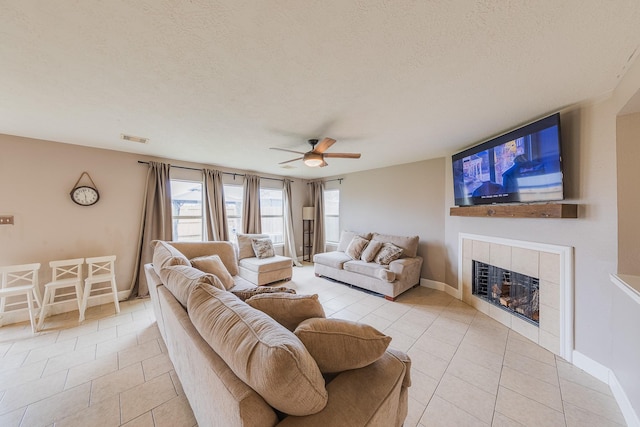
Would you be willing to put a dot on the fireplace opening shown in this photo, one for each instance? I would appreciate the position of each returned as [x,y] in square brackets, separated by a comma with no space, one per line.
[515,292]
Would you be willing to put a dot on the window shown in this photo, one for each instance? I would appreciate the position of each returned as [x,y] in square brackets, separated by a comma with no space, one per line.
[186,211]
[272,214]
[233,204]
[332,215]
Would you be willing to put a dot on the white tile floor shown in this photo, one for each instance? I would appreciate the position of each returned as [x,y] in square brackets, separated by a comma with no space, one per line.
[468,370]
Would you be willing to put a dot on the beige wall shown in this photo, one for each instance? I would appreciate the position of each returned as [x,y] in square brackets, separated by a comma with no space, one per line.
[628,154]
[35,180]
[403,200]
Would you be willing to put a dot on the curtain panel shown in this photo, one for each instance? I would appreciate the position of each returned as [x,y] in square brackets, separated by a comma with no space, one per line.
[251,221]
[156,222]
[317,195]
[214,207]
[289,239]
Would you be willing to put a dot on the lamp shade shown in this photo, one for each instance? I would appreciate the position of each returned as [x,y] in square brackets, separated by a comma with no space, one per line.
[308,212]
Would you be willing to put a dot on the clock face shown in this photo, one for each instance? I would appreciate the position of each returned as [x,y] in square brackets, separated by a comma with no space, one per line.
[85,196]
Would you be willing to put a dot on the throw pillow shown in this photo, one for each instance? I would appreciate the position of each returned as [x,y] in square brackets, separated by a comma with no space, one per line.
[214,265]
[263,354]
[245,246]
[355,248]
[339,345]
[388,253]
[180,280]
[287,309]
[347,236]
[263,248]
[370,252]
[245,294]
[165,255]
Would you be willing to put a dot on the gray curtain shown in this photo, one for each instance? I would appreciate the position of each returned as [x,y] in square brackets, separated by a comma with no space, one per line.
[317,196]
[214,208]
[155,222]
[289,240]
[251,223]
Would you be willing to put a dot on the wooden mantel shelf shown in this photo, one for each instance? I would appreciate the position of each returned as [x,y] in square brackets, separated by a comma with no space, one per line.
[547,210]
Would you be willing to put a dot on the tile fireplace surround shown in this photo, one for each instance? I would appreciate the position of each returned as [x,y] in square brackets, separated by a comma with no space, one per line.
[551,264]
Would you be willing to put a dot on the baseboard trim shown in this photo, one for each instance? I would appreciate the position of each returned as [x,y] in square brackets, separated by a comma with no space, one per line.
[606,375]
[440,286]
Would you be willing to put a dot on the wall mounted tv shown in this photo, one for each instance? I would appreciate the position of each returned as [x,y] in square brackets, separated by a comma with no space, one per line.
[521,166]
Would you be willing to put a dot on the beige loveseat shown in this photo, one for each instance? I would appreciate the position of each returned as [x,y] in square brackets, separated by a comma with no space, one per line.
[260,373]
[359,266]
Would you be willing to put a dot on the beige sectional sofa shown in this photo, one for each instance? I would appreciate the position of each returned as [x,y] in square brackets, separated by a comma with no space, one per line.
[240,367]
[354,268]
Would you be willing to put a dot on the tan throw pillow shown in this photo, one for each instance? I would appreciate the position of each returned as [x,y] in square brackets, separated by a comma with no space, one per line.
[287,309]
[369,253]
[214,265]
[339,345]
[245,246]
[245,294]
[165,255]
[181,279]
[355,248]
[388,253]
[263,354]
[263,248]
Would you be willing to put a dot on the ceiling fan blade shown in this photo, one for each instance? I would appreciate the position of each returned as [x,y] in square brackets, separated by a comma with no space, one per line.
[324,145]
[289,161]
[343,155]
[284,149]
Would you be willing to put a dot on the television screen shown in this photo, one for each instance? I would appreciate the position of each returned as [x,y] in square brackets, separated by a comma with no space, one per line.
[524,165]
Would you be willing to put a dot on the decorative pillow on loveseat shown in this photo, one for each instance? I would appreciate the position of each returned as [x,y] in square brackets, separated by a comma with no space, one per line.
[347,236]
[339,345]
[355,248]
[388,253]
[370,252]
[263,354]
[213,264]
[288,309]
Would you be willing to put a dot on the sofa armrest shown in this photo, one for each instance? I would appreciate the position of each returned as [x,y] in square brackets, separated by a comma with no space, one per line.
[373,396]
[407,268]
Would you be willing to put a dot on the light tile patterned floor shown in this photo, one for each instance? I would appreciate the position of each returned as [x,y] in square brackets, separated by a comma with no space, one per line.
[468,370]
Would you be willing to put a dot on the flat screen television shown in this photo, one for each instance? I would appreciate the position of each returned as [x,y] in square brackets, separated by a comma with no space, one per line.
[521,166]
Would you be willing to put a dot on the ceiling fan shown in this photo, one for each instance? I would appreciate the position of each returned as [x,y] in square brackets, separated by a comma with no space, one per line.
[315,157]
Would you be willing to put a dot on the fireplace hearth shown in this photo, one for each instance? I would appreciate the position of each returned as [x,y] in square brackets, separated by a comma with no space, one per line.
[517,293]
[526,286]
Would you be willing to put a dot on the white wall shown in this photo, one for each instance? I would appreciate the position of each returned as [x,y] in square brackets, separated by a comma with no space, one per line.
[403,200]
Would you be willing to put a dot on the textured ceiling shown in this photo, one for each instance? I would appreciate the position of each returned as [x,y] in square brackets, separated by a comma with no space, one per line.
[219,82]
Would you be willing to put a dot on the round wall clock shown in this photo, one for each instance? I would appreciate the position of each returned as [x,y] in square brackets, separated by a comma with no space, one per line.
[85,195]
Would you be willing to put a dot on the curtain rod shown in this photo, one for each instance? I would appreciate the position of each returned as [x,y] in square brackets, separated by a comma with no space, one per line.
[225,173]
[329,180]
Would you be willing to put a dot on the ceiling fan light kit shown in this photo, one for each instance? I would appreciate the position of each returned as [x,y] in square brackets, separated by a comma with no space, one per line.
[312,159]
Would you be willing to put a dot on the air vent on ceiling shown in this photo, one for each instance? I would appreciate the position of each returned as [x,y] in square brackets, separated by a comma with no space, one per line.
[134,138]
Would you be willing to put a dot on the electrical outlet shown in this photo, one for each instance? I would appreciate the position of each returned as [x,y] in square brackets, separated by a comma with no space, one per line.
[6,220]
